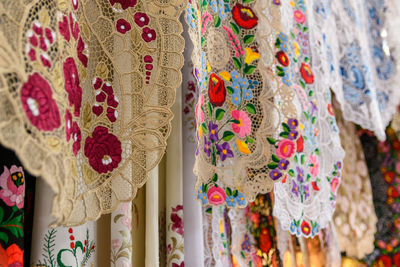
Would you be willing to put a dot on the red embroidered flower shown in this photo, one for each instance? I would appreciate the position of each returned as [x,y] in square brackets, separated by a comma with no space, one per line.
[112,101]
[216,90]
[148,34]
[15,256]
[68,124]
[97,109]
[123,26]
[38,103]
[396,144]
[389,177]
[177,225]
[306,73]
[265,240]
[283,59]
[330,110]
[103,150]
[384,261]
[80,47]
[72,85]
[141,19]
[305,228]
[315,186]
[76,136]
[178,265]
[244,16]
[63,28]
[75,4]
[124,3]
[392,192]
[112,114]
[396,259]
[300,144]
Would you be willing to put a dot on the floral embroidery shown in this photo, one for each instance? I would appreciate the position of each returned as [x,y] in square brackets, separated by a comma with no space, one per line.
[40,39]
[72,85]
[13,186]
[81,251]
[124,3]
[244,16]
[123,26]
[175,248]
[38,103]
[103,150]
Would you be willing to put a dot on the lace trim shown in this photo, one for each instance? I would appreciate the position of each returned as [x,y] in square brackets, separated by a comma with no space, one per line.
[241,102]
[355,219]
[86,89]
[305,199]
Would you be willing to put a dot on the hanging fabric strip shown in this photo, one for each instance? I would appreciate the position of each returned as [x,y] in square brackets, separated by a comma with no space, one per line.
[121,235]
[221,237]
[354,219]
[384,169]
[194,248]
[208,237]
[60,246]
[86,89]
[305,199]
[362,55]
[242,103]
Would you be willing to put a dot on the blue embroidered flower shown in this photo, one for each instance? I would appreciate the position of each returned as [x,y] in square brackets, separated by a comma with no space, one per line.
[253,84]
[190,17]
[284,47]
[236,98]
[223,9]
[247,94]
[235,76]
[231,201]
[286,80]
[352,95]
[383,99]
[384,65]
[202,196]
[214,6]
[315,230]
[240,199]
[283,37]
[293,228]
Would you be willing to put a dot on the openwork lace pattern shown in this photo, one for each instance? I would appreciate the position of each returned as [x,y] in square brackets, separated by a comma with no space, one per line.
[363,58]
[354,218]
[86,89]
[305,198]
[242,102]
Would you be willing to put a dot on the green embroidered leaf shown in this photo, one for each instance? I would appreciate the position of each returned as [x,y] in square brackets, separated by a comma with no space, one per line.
[313,120]
[226,1]
[203,41]
[251,108]
[237,63]
[275,158]
[311,93]
[209,210]
[247,1]
[306,59]
[217,21]
[284,134]
[280,73]
[279,68]
[296,159]
[242,254]
[59,261]
[214,178]
[286,127]
[116,218]
[235,121]
[295,59]
[234,28]
[293,36]
[235,193]
[248,39]
[204,127]
[278,43]
[270,140]
[249,69]
[305,29]
[291,172]
[210,109]
[306,115]
[302,84]
[230,90]
[1,214]
[4,237]
[249,140]
[228,135]
[317,151]
[308,177]
[272,165]
[219,114]
[302,159]
[228,191]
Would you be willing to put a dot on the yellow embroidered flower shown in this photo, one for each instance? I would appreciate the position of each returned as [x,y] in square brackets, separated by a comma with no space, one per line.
[301,126]
[208,66]
[225,75]
[296,49]
[200,132]
[250,55]
[243,147]
[292,3]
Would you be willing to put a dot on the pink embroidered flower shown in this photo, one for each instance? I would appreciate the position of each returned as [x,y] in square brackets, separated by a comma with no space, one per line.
[115,244]
[216,195]
[123,26]
[124,3]
[383,147]
[299,16]
[242,128]
[38,103]
[177,223]
[103,150]
[334,184]
[199,111]
[76,137]
[72,85]
[141,19]
[127,221]
[314,165]
[148,34]
[13,186]
[285,149]
[68,124]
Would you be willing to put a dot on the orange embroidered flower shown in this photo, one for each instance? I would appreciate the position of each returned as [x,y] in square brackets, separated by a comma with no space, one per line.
[15,255]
